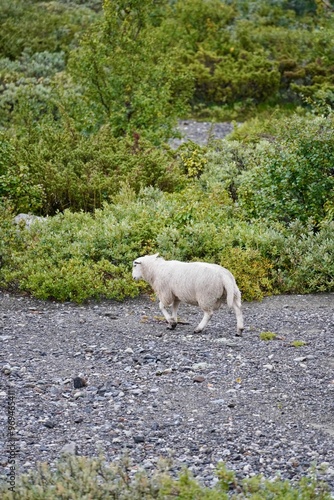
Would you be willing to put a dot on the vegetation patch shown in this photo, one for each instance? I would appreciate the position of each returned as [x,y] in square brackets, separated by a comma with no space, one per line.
[298,343]
[267,336]
[86,114]
[79,477]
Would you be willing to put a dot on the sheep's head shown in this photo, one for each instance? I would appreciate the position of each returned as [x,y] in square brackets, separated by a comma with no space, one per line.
[137,265]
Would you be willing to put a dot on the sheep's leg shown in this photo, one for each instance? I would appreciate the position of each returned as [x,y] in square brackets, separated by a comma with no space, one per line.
[175,306]
[204,322]
[240,319]
[170,320]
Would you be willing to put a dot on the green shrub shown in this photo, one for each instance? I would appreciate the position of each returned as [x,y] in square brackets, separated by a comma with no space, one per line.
[128,78]
[304,264]
[66,169]
[17,186]
[28,86]
[240,75]
[74,256]
[39,26]
[251,270]
[293,179]
[80,477]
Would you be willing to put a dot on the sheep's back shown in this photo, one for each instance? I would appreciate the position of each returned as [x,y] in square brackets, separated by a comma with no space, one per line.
[193,282]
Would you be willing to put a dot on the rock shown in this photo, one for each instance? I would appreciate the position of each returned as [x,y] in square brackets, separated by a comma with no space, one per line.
[50,424]
[69,449]
[27,219]
[6,369]
[139,439]
[201,366]
[79,382]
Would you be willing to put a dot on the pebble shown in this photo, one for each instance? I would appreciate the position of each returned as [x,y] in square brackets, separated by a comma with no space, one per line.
[69,449]
[6,369]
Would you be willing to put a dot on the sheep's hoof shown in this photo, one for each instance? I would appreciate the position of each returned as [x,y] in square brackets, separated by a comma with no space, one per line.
[198,330]
[172,326]
[239,332]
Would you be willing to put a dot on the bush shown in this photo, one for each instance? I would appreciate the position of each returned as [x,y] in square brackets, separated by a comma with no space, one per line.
[224,79]
[38,26]
[294,178]
[75,256]
[28,86]
[80,477]
[66,169]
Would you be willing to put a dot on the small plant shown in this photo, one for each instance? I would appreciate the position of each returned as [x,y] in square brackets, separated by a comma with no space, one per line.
[266,336]
[193,159]
[298,343]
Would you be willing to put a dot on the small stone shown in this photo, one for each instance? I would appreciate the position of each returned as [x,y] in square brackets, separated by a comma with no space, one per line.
[78,395]
[79,382]
[201,366]
[69,449]
[198,379]
[139,438]
[50,424]
[163,372]
[110,315]
[6,369]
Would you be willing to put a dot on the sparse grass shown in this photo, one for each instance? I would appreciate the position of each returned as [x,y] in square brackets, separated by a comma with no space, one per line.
[266,336]
[298,343]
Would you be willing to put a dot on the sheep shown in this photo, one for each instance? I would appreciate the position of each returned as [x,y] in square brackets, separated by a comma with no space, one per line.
[196,283]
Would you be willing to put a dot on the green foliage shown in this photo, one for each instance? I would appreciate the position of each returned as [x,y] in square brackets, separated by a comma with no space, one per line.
[298,343]
[74,256]
[193,159]
[131,83]
[17,185]
[66,258]
[267,336]
[27,86]
[294,178]
[86,100]
[237,76]
[304,264]
[39,26]
[80,477]
[251,270]
[65,169]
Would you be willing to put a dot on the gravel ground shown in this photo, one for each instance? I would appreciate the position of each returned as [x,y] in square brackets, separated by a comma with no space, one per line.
[201,132]
[261,407]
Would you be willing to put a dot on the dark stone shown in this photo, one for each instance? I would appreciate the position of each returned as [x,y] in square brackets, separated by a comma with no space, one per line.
[139,439]
[50,424]
[79,382]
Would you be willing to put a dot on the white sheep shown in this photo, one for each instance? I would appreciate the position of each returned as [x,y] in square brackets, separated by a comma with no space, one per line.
[195,283]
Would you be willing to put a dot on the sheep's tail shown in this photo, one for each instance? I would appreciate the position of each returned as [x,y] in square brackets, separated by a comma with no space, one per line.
[233,294]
